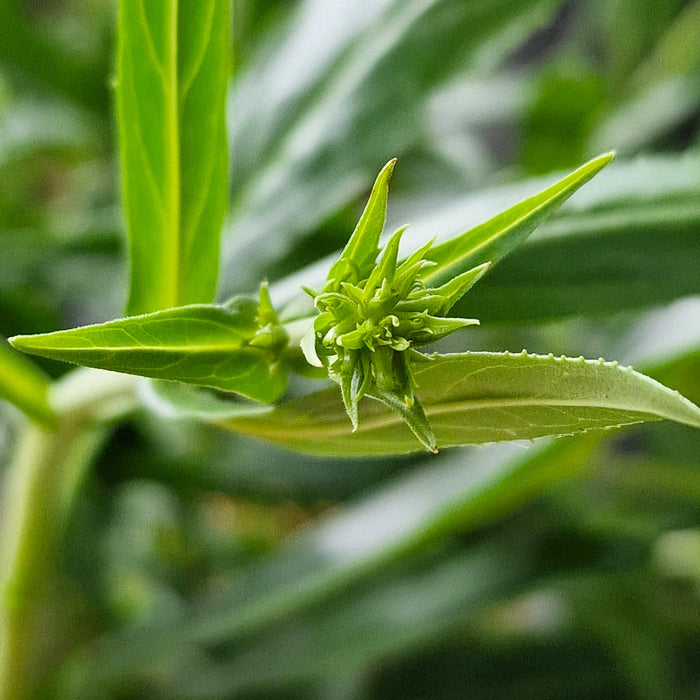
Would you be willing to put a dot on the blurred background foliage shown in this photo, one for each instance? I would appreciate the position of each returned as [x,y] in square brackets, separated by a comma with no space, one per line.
[199,564]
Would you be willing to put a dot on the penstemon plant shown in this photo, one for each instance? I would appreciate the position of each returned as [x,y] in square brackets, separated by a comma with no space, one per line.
[356,340]
[371,315]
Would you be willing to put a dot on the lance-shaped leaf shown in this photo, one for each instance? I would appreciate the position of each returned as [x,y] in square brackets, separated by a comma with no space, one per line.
[357,259]
[478,397]
[631,255]
[24,385]
[494,239]
[172,77]
[214,346]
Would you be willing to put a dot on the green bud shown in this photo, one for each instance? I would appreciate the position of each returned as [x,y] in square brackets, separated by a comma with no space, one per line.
[271,334]
[374,313]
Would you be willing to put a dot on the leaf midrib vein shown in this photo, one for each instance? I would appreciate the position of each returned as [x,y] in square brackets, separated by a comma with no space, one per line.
[377,422]
[173,242]
[150,348]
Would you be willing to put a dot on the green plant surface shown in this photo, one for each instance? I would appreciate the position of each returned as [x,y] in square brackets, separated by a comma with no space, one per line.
[27,48]
[376,621]
[205,522]
[629,269]
[633,226]
[171,86]
[458,490]
[476,398]
[373,314]
[497,237]
[630,242]
[455,493]
[226,347]
[24,385]
[49,469]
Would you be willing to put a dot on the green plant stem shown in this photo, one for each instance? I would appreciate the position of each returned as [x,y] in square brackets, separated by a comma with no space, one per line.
[40,489]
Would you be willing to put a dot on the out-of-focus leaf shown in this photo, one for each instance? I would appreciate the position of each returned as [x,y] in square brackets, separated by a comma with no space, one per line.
[457,492]
[655,110]
[25,48]
[334,109]
[560,121]
[671,56]
[22,384]
[199,344]
[172,77]
[471,398]
[667,342]
[631,33]
[378,623]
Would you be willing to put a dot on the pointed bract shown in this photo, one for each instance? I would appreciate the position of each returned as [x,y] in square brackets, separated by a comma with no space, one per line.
[357,259]
[374,312]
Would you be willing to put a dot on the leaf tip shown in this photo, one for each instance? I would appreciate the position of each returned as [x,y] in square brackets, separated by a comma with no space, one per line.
[20,342]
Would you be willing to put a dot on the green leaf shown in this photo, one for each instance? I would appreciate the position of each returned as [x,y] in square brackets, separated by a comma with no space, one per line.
[368,627]
[478,398]
[631,255]
[172,76]
[357,259]
[25,386]
[29,49]
[198,344]
[495,238]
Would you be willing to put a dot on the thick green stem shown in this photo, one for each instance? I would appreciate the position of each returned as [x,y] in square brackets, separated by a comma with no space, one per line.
[40,489]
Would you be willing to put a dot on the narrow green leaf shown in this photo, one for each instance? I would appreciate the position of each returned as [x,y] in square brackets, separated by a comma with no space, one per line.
[385,268]
[357,259]
[632,255]
[197,344]
[494,239]
[477,398]
[172,76]
[443,298]
[25,386]
[411,413]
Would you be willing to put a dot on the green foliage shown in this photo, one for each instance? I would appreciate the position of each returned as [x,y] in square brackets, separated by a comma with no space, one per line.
[232,347]
[476,398]
[497,237]
[25,386]
[158,538]
[171,86]
[373,314]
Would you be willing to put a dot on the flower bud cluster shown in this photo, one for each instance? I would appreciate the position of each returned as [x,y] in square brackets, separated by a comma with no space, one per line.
[367,330]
